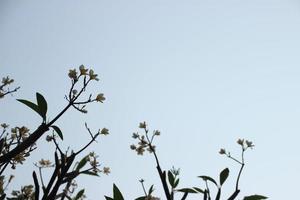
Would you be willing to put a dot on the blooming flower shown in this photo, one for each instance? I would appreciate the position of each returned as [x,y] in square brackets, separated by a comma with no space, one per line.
[104,131]
[7,81]
[240,142]
[157,132]
[100,97]
[249,144]
[93,76]
[23,131]
[142,125]
[135,135]
[4,125]
[19,158]
[73,74]
[106,170]
[140,150]
[82,69]
[45,163]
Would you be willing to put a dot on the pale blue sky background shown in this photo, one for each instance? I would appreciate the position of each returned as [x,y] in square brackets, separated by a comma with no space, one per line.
[203,72]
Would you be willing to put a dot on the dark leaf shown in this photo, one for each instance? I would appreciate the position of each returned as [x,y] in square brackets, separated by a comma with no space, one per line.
[117,194]
[58,131]
[89,173]
[30,105]
[79,194]
[234,195]
[2,197]
[36,184]
[171,179]
[218,194]
[108,198]
[198,189]
[82,163]
[188,190]
[224,175]
[255,197]
[207,178]
[1,144]
[42,105]
[151,189]
[141,198]
[205,195]
[176,183]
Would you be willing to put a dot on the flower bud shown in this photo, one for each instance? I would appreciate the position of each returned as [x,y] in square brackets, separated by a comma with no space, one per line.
[222,151]
[142,125]
[104,131]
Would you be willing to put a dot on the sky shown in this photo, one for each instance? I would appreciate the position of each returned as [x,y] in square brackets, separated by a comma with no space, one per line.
[204,73]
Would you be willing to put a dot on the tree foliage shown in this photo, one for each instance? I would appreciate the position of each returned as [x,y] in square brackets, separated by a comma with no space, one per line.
[18,142]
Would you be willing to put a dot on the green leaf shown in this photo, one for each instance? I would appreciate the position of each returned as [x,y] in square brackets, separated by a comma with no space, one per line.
[108,198]
[79,194]
[58,131]
[176,183]
[224,175]
[255,197]
[141,198]
[117,193]
[30,105]
[42,105]
[151,189]
[2,197]
[218,196]
[1,144]
[207,178]
[171,179]
[198,189]
[89,173]
[205,194]
[82,163]
[188,190]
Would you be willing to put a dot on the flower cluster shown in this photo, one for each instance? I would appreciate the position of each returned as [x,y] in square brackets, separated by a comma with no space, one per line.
[245,144]
[5,82]
[4,90]
[103,131]
[87,75]
[45,163]
[92,158]
[13,138]
[144,141]
[73,74]
[6,182]
[26,193]
[4,125]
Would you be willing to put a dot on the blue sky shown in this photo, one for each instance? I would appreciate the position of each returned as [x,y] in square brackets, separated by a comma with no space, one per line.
[203,72]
